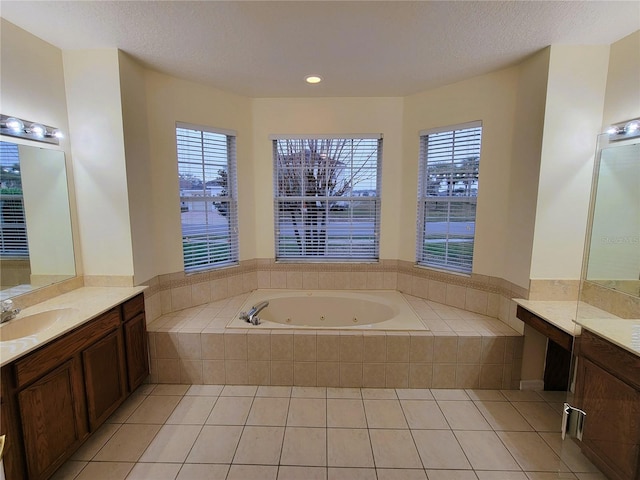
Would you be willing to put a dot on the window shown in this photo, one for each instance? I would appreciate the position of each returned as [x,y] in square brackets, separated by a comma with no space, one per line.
[447,194]
[327,198]
[206,172]
[13,224]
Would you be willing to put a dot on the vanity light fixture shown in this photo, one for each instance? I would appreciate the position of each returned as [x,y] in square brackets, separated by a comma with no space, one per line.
[37,130]
[624,130]
[14,124]
[18,127]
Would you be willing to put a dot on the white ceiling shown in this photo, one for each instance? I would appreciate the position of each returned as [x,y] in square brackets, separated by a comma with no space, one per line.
[361,48]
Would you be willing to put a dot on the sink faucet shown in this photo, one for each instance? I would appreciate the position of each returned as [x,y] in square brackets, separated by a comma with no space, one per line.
[252,315]
[8,311]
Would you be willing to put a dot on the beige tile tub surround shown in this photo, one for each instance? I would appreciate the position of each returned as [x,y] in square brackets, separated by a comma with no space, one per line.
[476,293]
[465,350]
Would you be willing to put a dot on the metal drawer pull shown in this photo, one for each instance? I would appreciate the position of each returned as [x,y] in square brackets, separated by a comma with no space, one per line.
[572,421]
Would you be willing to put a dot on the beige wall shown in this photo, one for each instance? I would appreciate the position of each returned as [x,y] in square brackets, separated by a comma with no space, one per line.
[526,146]
[573,119]
[32,80]
[126,181]
[171,100]
[138,166]
[95,121]
[328,116]
[492,99]
[622,100]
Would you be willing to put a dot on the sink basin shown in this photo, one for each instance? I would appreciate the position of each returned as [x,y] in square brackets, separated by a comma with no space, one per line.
[32,324]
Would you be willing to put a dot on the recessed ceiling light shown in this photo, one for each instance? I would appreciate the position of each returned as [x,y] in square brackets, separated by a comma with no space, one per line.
[313,79]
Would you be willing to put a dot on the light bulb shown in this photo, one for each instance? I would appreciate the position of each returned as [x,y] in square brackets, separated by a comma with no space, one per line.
[613,130]
[14,124]
[313,79]
[632,127]
[37,130]
[57,134]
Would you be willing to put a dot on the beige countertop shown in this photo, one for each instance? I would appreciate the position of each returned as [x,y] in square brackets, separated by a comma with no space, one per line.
[80,306]
[622,332]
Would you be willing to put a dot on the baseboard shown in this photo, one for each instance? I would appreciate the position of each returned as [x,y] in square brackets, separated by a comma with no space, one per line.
[536,385]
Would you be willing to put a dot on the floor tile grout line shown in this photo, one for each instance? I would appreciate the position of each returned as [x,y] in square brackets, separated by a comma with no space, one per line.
[106,441]
[199,433]
[161,426]
[366,421]
[284,433]
[235,451]
[326,433]
[412,438]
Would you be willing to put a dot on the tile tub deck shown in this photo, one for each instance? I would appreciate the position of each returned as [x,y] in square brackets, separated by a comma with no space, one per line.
[461,349]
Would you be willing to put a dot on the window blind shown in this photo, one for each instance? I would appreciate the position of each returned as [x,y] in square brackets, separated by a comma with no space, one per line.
[13,223]
[208,205]
[447,197]
[327,198]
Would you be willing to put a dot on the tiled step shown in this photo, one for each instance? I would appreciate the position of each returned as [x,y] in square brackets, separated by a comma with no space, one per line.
[337,358]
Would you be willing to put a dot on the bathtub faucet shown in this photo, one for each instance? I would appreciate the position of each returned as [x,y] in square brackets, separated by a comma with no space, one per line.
[252,315]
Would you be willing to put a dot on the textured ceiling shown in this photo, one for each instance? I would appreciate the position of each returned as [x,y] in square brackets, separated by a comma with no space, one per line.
[361,48]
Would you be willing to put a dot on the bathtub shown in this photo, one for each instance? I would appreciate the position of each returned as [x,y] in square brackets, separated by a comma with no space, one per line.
[330,309]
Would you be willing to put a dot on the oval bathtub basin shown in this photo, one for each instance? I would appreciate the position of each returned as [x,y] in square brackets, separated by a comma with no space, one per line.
[31,324]
[326,311]
[331,309]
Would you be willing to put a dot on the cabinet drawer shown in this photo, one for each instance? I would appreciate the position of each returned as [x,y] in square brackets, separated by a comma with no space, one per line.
[50,356]
[612,358]
[559,336]
[132,307]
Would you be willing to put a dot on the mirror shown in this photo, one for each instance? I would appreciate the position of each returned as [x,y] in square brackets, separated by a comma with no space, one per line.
[614,252]
[36,242]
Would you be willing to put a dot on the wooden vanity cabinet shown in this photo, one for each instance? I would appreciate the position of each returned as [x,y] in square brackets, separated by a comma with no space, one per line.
[608,390]
[104,377]
[53,422]
[54,397]
[135,337]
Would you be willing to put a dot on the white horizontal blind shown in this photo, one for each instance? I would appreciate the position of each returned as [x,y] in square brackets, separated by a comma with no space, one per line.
[327,198]
[207,176]
[447,195]
[13,224]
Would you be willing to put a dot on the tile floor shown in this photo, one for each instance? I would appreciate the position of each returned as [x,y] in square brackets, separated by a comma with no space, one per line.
[229,432]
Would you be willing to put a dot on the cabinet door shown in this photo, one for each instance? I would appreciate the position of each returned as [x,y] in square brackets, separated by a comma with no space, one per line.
[53,414]
[104,377]
[612,424]
[135,337]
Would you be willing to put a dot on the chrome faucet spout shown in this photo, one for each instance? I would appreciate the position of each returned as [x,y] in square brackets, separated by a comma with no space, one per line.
[8,311]
[252,315]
